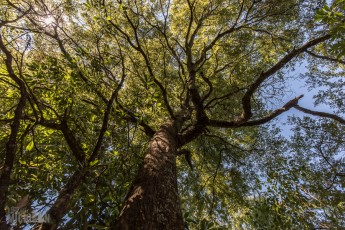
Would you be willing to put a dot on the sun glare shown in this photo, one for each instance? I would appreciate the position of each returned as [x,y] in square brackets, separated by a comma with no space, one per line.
[48,20]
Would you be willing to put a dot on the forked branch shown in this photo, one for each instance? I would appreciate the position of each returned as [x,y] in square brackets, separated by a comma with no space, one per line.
[239,123]
[246,100]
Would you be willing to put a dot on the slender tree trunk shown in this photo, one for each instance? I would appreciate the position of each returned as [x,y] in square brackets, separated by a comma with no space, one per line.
[11,144]
[11,149]
[153,201]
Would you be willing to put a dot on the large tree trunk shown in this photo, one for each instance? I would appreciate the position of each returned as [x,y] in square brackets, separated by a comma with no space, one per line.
[153,201]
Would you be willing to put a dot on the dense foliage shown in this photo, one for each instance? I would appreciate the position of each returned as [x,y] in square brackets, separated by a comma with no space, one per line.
[85,84]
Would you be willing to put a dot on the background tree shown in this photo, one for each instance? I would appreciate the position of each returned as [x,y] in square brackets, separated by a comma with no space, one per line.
[89,85]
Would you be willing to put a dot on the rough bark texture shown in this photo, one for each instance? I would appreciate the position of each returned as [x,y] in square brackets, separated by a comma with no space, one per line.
[153,201]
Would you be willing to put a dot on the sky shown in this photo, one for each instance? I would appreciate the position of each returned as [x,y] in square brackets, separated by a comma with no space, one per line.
[296,86]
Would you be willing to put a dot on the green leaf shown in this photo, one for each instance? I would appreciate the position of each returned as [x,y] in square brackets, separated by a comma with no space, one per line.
[30,146]
[90,198]
[319,17]
[95,162]
[326,8]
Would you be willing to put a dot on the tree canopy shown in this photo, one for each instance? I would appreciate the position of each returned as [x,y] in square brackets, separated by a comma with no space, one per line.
[86,87]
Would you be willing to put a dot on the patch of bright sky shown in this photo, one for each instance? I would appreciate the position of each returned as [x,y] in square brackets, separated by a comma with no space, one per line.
[295,86]
[49,20]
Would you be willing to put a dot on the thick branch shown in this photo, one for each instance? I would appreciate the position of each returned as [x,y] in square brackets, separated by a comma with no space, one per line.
[11,149]
[246,100]
[61,205]
[209,83]
[11,144]
[320,114]
[201,117]
[271,116]
[72,142]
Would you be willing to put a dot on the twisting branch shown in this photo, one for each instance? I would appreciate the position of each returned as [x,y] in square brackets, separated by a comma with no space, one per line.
[260,121]
[209,83]
[201,117]
[246,100]
[72,142]
[274,114]
[105,120]
[189,43]
[11,144]
[320,114]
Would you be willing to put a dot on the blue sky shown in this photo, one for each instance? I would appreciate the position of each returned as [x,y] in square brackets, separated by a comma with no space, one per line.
[296,86]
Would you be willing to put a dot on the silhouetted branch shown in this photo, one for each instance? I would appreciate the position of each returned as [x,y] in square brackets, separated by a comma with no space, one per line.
[260,121]
[246,100]
[325,57]
[320,114]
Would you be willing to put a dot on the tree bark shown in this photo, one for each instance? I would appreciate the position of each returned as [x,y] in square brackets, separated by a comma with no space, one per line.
[11,144]
[153,201]
[11,149]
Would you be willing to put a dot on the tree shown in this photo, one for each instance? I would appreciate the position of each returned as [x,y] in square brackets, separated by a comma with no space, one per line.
[87,84]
